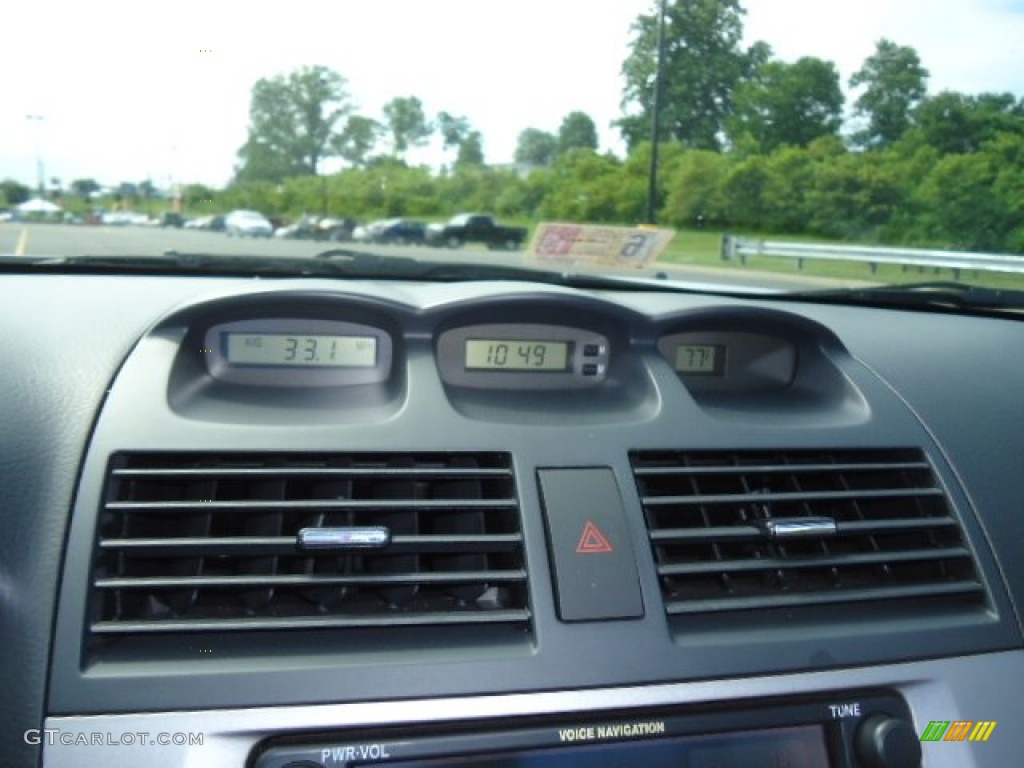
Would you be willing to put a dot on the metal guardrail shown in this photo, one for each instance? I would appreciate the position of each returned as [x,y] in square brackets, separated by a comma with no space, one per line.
[957,261]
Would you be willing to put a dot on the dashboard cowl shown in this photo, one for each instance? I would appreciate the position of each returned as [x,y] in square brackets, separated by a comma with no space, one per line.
[891,537]
[208,543]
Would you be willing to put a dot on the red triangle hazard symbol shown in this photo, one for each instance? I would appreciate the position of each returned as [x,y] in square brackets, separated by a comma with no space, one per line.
[593,541]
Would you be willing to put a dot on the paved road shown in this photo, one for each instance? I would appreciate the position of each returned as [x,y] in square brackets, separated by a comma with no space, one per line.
[60,240]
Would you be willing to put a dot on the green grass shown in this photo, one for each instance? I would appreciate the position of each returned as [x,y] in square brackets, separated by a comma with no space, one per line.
[703,248]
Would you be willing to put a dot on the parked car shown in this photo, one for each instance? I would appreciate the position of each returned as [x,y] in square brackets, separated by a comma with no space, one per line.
[475,228]
[364,233]
[210,223]
[247,224]
[172,219]
[124,218]
[399,232]
[319,228]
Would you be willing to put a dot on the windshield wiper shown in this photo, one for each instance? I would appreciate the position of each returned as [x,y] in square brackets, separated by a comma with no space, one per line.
[360,264]
[930,295]
[337,263]
[174,262]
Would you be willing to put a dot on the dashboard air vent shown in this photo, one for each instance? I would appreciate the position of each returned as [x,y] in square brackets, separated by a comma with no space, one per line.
[207,543]
[736,531]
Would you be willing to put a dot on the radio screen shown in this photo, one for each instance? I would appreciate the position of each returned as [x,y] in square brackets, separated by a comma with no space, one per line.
[797,747]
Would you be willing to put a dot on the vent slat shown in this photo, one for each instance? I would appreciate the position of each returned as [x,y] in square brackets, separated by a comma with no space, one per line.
[773,563]
[807,496]
[203,542]
[328,622]
[721,533]
[851,596]
[311,472]
[326,505]
[717,523]
[786,469]
[681,535]
[284,545]
[225,582]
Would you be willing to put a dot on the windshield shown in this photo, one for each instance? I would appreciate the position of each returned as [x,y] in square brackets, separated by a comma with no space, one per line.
[783,144]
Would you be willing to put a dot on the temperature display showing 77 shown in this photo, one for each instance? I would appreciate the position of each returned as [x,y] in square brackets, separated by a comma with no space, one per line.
[516,355]
[706,359]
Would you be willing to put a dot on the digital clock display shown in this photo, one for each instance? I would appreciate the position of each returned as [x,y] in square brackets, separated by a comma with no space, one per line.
[300,350]
[517,355]
[700,358]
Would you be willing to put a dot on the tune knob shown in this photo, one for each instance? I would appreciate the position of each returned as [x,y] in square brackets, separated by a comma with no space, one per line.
[887,742]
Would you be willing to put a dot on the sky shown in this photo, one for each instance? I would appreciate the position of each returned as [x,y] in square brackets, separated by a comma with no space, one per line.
[133,90]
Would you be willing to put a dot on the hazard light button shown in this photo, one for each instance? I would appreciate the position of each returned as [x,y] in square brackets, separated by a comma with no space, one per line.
[595,572]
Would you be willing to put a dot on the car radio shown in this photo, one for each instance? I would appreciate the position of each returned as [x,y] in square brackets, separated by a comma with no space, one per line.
[846,731]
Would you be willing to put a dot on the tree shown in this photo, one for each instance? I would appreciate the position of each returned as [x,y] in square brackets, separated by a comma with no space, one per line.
[788,104]
[976,200]
[197,194]
[895,82]
[407,122]
[536,147]
[357,140]
[958,123]
[694,195]
[855,195]
[454,130]
[577,132]
[583,187]
[293,122]
[471,151]
[127,191]
[260,161]
[14,192]
[704,64]
[84,188]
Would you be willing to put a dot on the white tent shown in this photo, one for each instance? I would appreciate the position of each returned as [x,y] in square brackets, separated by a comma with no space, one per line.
[38,205]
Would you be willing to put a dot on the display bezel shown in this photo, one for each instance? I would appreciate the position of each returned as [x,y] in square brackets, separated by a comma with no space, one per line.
[750,361]
[832,721]
[254,374]
[587,364]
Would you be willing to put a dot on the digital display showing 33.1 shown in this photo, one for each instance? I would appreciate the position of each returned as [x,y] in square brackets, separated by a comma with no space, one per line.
[300,350]
[517,355]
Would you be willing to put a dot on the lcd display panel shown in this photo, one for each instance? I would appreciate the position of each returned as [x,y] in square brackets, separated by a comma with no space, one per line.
[516,355]
[300,350]
[705,359]
[796,747]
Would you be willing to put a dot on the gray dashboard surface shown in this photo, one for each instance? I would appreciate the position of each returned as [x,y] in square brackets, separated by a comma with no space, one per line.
[64,339]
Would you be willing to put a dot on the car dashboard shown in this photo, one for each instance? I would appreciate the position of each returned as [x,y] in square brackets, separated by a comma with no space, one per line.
[280,523]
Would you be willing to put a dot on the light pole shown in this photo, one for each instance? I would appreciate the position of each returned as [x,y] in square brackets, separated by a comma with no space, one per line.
[40,175]
[172,186]
[659,75]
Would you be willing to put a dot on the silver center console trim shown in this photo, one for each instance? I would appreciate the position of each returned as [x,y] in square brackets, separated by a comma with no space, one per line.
[964,688]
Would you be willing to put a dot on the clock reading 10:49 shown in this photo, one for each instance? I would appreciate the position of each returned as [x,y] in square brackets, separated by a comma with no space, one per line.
[282,349]
[516,355]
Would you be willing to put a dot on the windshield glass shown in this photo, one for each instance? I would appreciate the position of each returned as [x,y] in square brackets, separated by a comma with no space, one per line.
[786,144]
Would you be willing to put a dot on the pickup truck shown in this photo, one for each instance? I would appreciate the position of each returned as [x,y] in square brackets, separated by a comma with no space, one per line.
[475,228]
